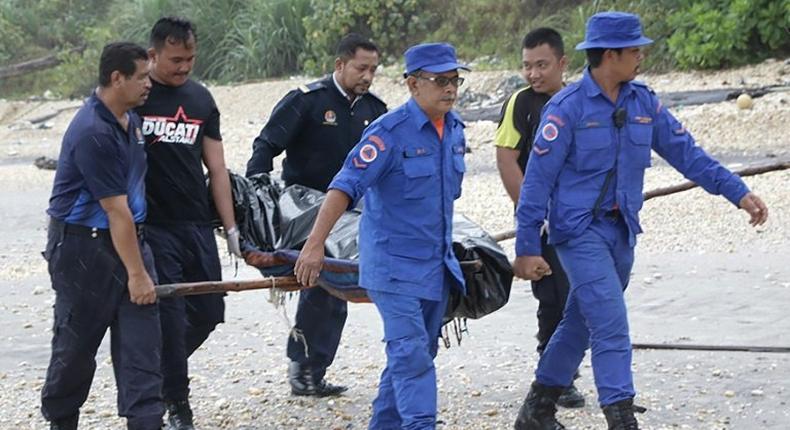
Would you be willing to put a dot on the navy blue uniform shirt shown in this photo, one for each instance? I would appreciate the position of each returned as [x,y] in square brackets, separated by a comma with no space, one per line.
[411,179]
[578,143]
[98,159]
[316,126]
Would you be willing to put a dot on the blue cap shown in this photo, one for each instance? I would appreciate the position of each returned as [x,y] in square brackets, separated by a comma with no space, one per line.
[432,57]
[613,30]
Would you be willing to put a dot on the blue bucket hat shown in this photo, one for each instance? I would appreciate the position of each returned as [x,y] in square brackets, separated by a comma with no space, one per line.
[432,57]
[613,30]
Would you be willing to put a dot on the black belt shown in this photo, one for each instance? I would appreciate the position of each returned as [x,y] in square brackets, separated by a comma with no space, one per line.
[92,232]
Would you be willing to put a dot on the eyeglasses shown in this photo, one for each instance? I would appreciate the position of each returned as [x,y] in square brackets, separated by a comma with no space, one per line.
[443,81]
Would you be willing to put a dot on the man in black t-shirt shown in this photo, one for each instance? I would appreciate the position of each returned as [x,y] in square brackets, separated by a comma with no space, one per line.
[317,125]
[182,133]
[543,65]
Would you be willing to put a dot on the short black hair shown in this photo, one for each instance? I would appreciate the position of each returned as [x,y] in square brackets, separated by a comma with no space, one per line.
[120,56]
[174,29]
[544,35]
[595,55]
[348,45]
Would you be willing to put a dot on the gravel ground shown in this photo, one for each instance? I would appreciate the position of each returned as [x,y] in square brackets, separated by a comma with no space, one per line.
[702,276]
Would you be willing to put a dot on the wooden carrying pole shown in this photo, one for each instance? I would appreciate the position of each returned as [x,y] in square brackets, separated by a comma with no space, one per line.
[285,283]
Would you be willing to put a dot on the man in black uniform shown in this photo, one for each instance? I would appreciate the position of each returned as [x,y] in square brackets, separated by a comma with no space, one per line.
[317,125]
[101,269]
[543,61]
[181,128]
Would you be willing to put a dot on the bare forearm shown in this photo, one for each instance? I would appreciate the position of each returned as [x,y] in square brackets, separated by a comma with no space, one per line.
[124,239]
[510,173]
[219,181]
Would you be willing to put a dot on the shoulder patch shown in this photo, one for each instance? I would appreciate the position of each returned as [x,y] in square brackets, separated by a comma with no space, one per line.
[312,86]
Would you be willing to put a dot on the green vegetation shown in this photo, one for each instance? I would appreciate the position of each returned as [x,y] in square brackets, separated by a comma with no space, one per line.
[242,40]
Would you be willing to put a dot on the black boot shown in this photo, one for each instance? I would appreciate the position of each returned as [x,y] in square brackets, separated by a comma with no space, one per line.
[620,415]
[68,423]
[571,398]
[179,415]
[303,383]
[537,411]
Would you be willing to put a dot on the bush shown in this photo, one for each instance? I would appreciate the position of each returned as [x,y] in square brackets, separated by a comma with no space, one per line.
[717,33]
[393,25]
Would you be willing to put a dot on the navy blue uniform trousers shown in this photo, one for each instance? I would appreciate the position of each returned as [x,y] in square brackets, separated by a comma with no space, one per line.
[320,317]
[185,253]
[552,294]
[91,295]
[598,264]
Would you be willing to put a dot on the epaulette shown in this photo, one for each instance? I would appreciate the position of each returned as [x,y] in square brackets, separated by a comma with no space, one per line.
[377,98]
[644,85]
[565,93]
[312,86]
[457,117]
[390,120]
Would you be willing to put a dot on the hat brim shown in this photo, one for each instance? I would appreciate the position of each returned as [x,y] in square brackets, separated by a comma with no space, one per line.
[443,67]
[641,41]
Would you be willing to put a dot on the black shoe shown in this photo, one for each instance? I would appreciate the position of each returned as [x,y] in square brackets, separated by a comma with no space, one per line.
[303,384]
[620,415]
[68,423]
[538,410]
[179,415]
[571,398]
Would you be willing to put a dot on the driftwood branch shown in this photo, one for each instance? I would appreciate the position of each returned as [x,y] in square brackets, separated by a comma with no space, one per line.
[37,64]
[286,283]
[693,347]
[749,171]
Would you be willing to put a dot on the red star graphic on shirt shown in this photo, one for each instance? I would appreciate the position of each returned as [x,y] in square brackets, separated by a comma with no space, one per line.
[180,116]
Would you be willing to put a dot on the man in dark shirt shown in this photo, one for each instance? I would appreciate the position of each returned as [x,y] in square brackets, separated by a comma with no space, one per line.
[543,56]
[181,128]
[101,269]
[317,125]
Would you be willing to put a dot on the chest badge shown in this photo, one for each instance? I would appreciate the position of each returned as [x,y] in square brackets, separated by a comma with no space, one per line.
[330,118]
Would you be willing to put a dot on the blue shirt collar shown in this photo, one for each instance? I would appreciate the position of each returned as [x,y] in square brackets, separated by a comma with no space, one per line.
[421,119]
[103,111]
[591,88]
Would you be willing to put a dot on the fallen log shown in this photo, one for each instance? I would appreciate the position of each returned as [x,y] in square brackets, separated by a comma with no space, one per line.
[749,171]
[37,64]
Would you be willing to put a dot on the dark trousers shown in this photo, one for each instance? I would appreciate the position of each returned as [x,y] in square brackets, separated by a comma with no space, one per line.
[320,317]
[91,295]
[185,253]
[552,294]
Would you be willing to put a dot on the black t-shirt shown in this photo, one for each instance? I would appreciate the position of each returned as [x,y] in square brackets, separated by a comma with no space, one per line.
[175,120]
[524,115]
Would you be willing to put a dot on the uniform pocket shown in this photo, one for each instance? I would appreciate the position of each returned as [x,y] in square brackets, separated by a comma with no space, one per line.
[419,168]
[594,149]
[640,139]
[459,165]
[410,259]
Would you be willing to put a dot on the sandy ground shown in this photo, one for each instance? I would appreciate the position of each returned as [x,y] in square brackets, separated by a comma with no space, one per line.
[702,276]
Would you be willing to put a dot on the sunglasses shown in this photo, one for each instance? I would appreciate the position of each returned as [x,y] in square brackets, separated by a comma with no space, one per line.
[443,81]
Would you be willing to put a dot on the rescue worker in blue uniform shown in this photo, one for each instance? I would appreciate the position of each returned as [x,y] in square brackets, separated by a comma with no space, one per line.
[587,171]
[317,125]
[409,166]
[101,268]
